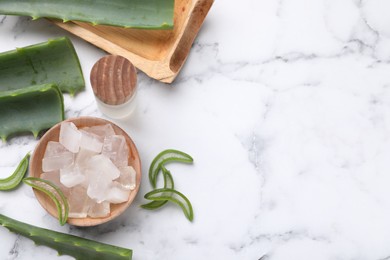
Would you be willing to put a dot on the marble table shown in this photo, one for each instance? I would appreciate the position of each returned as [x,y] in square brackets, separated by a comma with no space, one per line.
[285,107]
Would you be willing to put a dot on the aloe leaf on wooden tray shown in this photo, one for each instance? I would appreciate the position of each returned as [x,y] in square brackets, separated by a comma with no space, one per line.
[54,61]
[145,14]
[30,109]
[77,247]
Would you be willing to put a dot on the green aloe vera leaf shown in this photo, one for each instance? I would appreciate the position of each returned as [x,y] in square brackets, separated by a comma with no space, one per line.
[168,184]
[164,157]
[54,62]
[30,109]
[14,180]
[54,193]
[77,247]
[146,14]
[173,196]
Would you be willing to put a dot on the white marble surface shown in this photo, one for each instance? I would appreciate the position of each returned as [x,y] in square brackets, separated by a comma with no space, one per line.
[285,107]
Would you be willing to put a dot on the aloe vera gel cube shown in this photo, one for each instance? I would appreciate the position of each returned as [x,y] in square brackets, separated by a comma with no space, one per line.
[71,176]
[115,148]
[78,202]
[90,141]
[99,210]
[100,130]
[56,157]
[127,178]
[70,136]
[86,168]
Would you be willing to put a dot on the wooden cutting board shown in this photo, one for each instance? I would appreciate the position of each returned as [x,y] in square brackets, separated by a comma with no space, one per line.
[159,53]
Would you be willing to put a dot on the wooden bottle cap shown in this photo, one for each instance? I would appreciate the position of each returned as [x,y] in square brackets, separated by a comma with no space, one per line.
[113,79]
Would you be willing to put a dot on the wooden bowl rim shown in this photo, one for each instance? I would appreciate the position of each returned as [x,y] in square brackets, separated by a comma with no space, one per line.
[36,163]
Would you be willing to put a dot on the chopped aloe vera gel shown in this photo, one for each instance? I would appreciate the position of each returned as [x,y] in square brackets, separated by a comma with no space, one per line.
[100,130]
[102,164]
[82,158]
[90,141]
[117,194]
[115,148]
[71,176]
[98,185]
[99,210]
[56,157]
[70,137]
[78,202]
[127,177]
[92,180]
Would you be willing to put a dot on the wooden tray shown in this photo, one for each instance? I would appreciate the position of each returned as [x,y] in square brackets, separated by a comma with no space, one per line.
[159,53]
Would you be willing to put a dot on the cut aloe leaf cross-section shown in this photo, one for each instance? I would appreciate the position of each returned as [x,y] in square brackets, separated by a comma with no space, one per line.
[30,109]
[146,14]
[54,62]
[54,193]
[14,180]
[173,196]
[164,157]
[168,184]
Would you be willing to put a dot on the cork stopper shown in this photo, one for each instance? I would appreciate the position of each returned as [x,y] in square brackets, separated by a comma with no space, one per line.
[113,79]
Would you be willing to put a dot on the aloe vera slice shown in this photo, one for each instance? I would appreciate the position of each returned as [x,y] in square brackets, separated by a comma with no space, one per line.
[54,62]
[147,14]
[77,247]
[54,194]
[164,157]
[173,196]
[30,109]
[14,180]
[168,184]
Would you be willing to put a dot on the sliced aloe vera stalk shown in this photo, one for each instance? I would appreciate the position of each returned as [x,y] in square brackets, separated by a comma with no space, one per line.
[147,14]
[30,109]
[77,247]
[54,194]
[164,157]
[173,196]
[14,180]
[168,184]
[54,62]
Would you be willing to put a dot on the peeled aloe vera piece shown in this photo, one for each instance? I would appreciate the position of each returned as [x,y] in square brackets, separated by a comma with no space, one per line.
[79,248]
[30,109]
[145,14]
[54,62]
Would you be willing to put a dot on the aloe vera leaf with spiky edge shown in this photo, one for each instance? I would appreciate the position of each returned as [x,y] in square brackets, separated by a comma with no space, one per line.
[77,247]
[54,62]
[145,14]
[30,109]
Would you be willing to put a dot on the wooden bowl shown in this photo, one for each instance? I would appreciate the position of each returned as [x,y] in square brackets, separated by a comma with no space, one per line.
[53,135]
[159,53]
